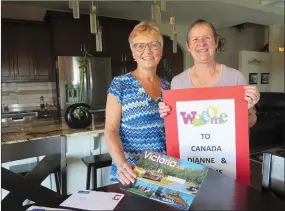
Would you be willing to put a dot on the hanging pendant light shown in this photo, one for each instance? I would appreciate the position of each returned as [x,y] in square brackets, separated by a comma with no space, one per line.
[174,43]
[163,5]
[98,36]
[75,8]
[157,14]
[70,4]
[93,19]
[152,8]
[172,22]
[174,34]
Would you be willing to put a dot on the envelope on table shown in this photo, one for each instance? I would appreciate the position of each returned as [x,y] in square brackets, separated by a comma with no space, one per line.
[93,200]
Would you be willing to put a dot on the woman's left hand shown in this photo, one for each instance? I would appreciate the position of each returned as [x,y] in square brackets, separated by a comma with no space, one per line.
[251,95]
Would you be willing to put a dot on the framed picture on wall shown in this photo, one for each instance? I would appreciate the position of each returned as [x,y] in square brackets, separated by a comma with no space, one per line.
[264,78]
[253,78]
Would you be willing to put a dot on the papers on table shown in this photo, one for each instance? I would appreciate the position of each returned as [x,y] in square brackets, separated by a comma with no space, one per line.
[37,208]
[93,200]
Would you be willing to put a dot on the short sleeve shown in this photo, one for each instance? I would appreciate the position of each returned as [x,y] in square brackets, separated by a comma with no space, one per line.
[115,89]
[173,83]
[241,79]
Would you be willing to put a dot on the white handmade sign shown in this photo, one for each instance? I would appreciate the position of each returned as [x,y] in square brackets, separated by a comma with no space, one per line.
[206,133]
[209,126]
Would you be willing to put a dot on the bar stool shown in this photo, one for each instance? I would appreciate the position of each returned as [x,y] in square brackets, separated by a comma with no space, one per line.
[24,169]
[96,162]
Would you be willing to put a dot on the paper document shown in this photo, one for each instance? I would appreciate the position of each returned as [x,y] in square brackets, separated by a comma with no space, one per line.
[37,208]
[93,200]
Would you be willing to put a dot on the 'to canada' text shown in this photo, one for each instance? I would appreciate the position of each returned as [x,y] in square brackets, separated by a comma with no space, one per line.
[209,116]
[206,148]
[159,159]
[202,160]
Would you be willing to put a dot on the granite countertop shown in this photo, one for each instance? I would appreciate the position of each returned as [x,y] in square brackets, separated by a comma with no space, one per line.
[39,129]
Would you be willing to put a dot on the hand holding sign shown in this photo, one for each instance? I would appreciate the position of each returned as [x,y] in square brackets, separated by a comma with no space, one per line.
[163,109]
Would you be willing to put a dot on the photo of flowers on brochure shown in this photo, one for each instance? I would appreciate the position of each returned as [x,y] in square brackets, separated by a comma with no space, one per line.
[168,180]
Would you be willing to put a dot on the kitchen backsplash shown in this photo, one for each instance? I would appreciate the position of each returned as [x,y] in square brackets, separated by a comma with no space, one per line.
[19,96]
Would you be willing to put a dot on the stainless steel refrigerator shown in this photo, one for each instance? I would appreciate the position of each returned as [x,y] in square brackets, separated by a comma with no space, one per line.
[96,81]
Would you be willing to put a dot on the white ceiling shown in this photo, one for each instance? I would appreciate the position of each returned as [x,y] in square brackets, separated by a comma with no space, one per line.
[221,13]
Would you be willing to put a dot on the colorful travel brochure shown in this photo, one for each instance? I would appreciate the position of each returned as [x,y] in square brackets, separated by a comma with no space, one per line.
[168,180]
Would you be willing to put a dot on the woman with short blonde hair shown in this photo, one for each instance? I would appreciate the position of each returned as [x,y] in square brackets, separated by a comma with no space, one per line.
[133,123]
[145,28]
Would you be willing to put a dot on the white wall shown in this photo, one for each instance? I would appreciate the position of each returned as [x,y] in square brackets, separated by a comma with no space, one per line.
[277,76]
[253,39]
[272,63]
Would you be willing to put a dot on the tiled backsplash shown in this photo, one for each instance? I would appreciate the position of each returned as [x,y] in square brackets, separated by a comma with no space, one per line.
[27,95]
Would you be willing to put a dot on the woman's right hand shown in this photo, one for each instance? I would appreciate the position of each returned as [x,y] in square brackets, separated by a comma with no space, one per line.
[126,173]
[163,109]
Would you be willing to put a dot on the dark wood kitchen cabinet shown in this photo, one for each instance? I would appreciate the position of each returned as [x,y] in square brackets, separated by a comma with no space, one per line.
[7,73]
[71,37]
[117,33]
[43,61]
[29,48]
[26,52]
[18,52]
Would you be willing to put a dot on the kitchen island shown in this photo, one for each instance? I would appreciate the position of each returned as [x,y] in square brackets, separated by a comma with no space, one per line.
[79,143]
[39,129]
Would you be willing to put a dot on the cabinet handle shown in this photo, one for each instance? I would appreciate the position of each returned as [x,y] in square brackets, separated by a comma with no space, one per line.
[82,47]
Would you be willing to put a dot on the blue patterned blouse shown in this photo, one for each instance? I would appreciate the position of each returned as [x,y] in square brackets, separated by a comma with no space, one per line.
[141,127]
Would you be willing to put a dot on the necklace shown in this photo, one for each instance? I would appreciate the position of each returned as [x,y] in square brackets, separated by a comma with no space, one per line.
[203,82]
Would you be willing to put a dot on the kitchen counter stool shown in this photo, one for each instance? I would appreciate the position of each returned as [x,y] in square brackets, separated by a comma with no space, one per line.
[96,162]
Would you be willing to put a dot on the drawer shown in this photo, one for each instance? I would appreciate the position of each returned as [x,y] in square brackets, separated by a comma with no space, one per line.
[47,114]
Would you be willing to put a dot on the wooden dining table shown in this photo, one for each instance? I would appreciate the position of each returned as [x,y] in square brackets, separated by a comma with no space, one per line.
[218,192]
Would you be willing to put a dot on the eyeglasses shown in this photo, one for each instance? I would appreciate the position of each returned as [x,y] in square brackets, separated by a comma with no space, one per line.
[140,47]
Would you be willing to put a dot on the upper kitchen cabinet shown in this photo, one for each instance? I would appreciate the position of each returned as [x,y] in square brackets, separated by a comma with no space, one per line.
[71,37]
[117,33]
[23,58]
[43,61]
[7,73]
[17,51]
